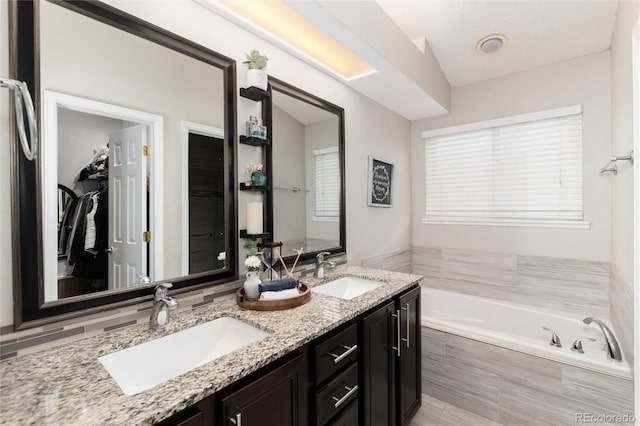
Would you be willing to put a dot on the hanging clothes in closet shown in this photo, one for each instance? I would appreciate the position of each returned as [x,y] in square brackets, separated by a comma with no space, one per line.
[86,222]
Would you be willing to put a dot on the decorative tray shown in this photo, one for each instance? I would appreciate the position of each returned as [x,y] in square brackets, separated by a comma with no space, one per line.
[274,305]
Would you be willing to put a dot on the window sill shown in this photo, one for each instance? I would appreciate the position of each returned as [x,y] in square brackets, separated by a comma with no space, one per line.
[523,223]
[325,218]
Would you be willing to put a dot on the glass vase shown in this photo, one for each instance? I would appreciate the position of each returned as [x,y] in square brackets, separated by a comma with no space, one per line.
[258,178]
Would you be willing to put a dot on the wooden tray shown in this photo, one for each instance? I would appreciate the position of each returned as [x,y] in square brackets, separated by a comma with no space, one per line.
[274,305]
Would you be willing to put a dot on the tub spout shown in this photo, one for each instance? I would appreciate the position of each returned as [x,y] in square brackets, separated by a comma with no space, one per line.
[555,340]
[611,346]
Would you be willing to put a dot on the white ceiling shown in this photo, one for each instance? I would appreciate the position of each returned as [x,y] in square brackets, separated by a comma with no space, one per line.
[539,32]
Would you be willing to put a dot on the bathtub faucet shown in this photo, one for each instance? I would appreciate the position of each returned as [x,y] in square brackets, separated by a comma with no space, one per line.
[612,347]
[555,340]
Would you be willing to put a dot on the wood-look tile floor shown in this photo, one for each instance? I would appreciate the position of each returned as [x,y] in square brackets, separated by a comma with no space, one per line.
[438,413]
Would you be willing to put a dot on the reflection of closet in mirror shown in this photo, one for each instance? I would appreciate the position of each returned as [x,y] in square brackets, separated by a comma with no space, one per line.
[115,75]
[306,176]
[100,158]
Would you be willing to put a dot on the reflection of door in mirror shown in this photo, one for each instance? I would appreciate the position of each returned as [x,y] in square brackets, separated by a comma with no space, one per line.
[206,203]
[306,176]
[101,158]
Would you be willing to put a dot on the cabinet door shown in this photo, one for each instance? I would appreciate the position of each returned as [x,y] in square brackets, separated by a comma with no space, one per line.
[377,360]
[410,370]
[277,398]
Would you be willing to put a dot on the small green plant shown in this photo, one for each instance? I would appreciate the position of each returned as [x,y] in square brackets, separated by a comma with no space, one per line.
[255,61]
[252,248]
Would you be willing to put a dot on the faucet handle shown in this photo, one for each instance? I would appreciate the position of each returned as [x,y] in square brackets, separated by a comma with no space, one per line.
[555,340]
[320,256]
[160,292]
[577,345]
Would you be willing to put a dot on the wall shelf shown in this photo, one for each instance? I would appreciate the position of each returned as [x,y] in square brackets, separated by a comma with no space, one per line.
[254,93]
[251,140]
[243,234]
[245,187]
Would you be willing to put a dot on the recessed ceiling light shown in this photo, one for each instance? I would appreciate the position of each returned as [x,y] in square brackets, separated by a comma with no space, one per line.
[491,44]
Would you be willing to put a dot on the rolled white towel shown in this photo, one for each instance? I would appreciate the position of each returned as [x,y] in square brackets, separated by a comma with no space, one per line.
[277,295]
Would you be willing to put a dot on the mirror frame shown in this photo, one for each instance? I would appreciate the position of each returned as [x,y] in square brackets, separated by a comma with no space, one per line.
[303,96]
[29,307]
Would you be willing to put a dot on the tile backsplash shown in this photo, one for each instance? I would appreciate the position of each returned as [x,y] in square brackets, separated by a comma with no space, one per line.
[17,343]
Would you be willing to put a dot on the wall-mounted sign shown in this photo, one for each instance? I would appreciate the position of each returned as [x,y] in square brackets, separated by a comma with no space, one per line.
[380,175]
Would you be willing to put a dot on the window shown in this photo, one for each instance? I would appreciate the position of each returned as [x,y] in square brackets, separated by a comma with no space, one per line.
[523,170]
[327,175]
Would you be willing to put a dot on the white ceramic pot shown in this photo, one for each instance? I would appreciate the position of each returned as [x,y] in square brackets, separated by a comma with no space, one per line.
[251,285]
[257,78]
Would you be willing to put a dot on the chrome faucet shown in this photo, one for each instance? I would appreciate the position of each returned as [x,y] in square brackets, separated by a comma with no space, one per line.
[162,304]
[611,344]
[321,263]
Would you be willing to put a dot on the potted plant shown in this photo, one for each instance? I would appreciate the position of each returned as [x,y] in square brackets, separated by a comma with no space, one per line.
[256,75]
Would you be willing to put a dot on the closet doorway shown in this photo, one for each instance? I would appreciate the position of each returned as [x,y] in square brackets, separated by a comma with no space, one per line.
[102,154]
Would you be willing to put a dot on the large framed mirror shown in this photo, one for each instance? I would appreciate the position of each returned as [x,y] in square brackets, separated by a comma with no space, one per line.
[307,168]
[134,183]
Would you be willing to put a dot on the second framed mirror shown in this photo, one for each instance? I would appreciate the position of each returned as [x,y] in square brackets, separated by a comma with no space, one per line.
[306,168]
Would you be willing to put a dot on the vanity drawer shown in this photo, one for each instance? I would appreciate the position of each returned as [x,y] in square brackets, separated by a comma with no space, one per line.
[336,352]
[349,417]
[337,395]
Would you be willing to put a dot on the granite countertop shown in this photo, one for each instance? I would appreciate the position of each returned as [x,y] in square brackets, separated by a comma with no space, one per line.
[68,385]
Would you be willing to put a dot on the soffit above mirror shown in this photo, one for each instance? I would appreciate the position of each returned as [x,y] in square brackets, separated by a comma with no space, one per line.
[415,85]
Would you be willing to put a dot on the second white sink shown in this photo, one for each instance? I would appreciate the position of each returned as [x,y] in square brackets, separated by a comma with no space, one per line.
[144,366]
[346,287]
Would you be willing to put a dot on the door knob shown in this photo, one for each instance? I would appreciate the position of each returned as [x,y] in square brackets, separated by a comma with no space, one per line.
[110,250]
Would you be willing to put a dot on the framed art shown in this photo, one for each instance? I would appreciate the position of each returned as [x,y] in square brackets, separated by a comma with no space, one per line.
[380,183]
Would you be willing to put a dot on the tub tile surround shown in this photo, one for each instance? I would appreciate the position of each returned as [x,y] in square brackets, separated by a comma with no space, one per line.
[510,387]
[23,342]
[67,385]
[622,303]
[398,261]
[567,285]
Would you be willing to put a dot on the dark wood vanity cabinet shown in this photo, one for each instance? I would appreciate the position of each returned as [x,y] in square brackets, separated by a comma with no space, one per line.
[366,372]
[278,398]
[391,371]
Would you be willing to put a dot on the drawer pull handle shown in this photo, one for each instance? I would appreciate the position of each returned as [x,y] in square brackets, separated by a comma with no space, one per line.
[340,401]
[349,351]
[238,420]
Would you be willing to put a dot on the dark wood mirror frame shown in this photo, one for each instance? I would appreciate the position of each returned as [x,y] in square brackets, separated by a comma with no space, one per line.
[29,307]
[301,95]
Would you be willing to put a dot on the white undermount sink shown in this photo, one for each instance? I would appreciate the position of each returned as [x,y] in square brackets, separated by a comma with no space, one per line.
[346,287]
[144,366]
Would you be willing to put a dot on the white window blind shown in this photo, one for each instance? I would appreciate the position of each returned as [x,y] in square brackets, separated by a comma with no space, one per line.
[327,176]
[522,169]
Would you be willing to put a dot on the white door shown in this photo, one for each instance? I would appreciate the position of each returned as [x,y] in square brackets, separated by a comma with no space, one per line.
[127,207]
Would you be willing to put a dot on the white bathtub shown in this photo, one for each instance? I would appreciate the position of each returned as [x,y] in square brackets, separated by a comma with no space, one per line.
[519,328]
